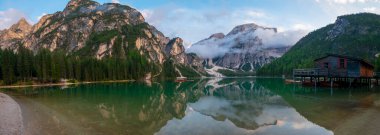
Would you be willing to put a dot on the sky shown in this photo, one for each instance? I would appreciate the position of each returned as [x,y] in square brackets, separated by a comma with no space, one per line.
[194,20]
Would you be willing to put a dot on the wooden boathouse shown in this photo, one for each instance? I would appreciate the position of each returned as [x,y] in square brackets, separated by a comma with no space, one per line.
[337,70]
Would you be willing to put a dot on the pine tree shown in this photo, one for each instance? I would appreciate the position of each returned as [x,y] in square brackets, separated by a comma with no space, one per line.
[58,65]
[44,65]
[24,63]
[1,73]
[9,64]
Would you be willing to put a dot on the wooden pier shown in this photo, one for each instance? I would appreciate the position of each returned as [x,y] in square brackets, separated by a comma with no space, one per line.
[338,71]
[326,78]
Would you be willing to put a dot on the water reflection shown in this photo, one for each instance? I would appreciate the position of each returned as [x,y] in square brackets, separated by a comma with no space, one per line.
[240,107]
[216,106]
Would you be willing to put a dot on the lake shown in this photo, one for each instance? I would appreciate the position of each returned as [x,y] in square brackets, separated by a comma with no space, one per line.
[264,106]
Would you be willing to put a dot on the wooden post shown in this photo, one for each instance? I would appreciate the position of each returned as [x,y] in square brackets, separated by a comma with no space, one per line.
[369,82]
[315,82]
[350,83]
[331,91]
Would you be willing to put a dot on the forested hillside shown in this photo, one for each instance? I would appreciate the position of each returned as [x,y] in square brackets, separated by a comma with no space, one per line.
[48,66]
[354,35]
[89,41]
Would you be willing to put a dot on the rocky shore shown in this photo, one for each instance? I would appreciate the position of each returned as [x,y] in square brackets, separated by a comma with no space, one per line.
[10,116]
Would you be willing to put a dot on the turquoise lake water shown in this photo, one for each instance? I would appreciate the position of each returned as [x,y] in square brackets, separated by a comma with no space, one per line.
[210,106]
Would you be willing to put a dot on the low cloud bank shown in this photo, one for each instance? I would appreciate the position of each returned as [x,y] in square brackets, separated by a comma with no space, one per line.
[248,41]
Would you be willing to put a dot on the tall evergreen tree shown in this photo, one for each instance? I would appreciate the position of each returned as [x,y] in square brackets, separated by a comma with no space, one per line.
[24,63]
[44,65]
[1,71]
[8,65]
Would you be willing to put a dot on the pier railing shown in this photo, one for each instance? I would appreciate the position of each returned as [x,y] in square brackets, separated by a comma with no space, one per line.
[311,72]
[376,74]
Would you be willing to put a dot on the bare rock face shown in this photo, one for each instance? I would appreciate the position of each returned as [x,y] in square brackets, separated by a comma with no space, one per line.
[338,29]
[195,61]
[11,38]
[87,28]
[249,61]
[69,30]
[175,47]
[241,49]
[217,36]
[248,27]
[175,50]
[83,21]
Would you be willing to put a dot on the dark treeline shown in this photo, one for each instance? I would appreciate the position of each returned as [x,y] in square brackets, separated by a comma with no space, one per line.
[46,66]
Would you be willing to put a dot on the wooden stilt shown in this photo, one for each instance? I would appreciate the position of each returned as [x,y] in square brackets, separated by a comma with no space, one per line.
[315,82]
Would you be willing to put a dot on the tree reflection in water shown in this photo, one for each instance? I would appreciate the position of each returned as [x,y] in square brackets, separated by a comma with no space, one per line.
[233,106]
[216,106]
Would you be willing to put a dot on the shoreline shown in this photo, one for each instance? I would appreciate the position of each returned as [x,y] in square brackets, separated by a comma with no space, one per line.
[60,84]
[11,120]
[113,81]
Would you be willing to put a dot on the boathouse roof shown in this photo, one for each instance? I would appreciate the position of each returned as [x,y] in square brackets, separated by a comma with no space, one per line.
[362,61]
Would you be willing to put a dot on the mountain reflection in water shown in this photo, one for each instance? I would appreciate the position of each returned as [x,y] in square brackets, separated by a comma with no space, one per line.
[240,107]
[209,106]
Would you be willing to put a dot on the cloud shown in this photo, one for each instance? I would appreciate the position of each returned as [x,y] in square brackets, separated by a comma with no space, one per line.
[349,1]
[214,47]
[193,25]
[10,17]
[281,39]
[115,1]
[372,10]
[211,48]
[333,8]
[302,26]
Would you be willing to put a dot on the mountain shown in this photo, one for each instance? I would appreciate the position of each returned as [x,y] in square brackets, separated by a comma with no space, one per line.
[13,36]
[243,48]
[354,35]
[91,29]
[86,29]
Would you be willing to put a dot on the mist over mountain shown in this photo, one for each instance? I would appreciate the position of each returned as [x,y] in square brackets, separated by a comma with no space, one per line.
[249,46]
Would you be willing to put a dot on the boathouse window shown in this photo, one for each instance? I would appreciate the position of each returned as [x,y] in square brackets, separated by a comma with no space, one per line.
[342,63]
[326,65]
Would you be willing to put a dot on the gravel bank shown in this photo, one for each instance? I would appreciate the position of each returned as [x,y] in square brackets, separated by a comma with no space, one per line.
[10,116]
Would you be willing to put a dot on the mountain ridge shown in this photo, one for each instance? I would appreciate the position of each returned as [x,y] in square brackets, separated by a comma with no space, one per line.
[87,29]
[352,35]
[242,48]
[14,34]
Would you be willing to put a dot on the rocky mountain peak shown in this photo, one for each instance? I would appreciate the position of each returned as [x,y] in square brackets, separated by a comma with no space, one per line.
[175,50]
[175,47]
[86,28]
[247,28]
[77,3]
[20,26]
[10,38]
[240,49]
[73,5]
[217,35]
[80,20]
